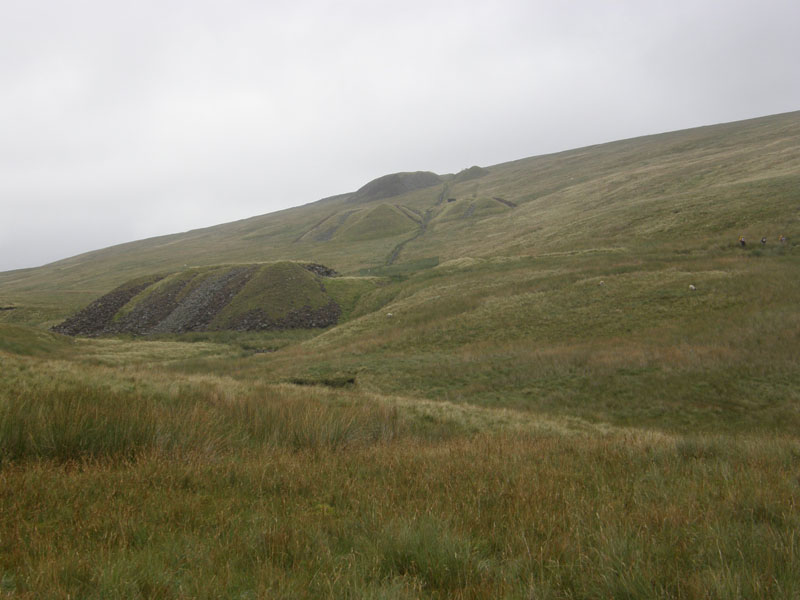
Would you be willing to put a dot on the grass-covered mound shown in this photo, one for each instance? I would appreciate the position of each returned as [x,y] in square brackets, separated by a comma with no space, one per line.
[29,341]
[282,295]
[465,208]
[382,221]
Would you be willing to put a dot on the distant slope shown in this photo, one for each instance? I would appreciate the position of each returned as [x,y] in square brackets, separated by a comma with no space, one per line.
[686,191]
[383,221]
[251,297]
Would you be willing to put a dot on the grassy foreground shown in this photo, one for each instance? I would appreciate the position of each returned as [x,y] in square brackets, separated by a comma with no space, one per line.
[515,430]
[130,480]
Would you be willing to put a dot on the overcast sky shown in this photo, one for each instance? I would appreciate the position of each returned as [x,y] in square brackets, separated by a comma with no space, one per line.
[121,120]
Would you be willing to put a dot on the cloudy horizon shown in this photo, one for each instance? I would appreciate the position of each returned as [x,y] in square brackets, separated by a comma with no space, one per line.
[122,121]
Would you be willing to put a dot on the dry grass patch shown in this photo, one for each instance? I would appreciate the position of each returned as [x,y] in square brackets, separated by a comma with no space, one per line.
[491,516]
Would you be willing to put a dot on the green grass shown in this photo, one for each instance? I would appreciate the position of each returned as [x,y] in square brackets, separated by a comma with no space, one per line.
[382,221]
[276,290]
[206,489]
[27,341]
[55,410]
[348,292]
[549,412]
[401,271]
[481,454]
[691,191]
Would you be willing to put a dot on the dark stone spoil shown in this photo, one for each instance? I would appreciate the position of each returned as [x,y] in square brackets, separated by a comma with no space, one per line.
[301,318]
[95,318]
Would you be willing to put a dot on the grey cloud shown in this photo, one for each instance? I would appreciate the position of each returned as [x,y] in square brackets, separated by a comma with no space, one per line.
[196,113]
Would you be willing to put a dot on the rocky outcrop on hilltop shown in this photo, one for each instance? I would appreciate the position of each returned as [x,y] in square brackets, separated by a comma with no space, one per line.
[394,185]
[320,270]
[471,173]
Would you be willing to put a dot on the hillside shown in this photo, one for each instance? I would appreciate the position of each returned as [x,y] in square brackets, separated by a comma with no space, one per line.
[688,191]
[560,377]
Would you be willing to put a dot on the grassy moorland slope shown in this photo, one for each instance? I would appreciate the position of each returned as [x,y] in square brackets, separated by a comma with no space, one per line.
[688,191]
[564,378]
